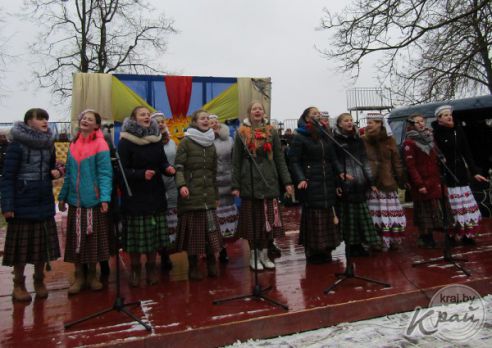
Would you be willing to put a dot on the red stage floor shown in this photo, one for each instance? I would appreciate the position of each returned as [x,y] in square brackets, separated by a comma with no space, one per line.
[181,313]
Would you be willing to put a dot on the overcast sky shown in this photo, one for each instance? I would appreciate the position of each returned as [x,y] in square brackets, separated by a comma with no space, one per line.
[233,38]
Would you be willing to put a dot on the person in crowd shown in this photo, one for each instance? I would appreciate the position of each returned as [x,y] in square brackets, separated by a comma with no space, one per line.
[226,211]
[421,159]
[144,160]
[315,171]
[171,189]
[451,140]
[87,190]
[356,225]
[384,205]
[196,178]
[259,207]
[288,136]
[27,202]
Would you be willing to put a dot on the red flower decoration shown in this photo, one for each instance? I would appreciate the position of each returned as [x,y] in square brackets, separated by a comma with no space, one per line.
[267,147]
[259,134]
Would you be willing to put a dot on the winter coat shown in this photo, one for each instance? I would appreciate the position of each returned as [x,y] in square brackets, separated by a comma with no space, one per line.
[423,171]
[355,190]
[312,158]
[223,146]
[454,146]
[385,162]
[169,181]
[270,161]
[141,149]
[89,176]
[26,186]
[196,168]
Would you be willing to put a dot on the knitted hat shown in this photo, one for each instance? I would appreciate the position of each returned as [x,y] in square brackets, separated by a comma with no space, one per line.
[157,115]
[213,117]
[442,108]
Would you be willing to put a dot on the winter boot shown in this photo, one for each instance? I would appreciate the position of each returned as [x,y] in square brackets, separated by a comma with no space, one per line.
[212,266]
[78,282]
[265,261]
[38,277]
[152,277]
[274,250]
[258,266]
[92,278]
[20,293]
[136,270]
[194,270]
[223,257]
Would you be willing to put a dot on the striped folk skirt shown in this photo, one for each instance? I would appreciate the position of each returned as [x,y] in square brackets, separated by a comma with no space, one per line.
[31,242]
[198,232]
[318,232]
[465,210]
[88,235]
[267,221]
[228,217]
[357,226]
[145,233]
[387,215]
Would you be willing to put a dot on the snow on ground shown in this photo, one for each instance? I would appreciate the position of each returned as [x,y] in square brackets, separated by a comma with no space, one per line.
[388,331]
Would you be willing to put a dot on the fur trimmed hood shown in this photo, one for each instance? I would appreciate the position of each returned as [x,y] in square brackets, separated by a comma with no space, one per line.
[223,133]
[30,137]
[139,135]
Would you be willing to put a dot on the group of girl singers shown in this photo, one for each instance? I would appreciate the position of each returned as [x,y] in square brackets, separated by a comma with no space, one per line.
[184,195]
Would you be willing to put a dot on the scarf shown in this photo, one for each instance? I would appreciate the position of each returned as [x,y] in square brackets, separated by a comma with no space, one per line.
[424,139]
[257,137]
[139,135]
[205,139]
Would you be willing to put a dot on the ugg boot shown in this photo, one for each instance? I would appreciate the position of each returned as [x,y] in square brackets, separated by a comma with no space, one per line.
[20,293]
[194,270]
[92,278]
[265,261]
[79,280]
[152,276]
[258,266]
[136,270]
[212,266]
[38,277]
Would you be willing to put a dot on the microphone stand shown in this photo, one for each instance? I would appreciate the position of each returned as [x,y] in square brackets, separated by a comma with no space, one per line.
[349,272]
[257,291]
[447,256]
[119,304]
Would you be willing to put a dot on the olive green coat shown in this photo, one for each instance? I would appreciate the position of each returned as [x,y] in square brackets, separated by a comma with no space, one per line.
[273,170]
[196,168]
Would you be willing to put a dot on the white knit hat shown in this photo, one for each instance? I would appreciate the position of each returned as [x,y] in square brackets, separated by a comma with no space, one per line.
[213,117]
[157,115]
[442,108]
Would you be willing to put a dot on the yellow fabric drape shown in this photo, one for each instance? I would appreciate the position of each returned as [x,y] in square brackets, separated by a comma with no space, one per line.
[225,105]
[124,99]
[258,89]
[91,91]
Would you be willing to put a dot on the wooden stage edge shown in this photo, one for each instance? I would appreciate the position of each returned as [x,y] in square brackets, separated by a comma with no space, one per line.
[299,321]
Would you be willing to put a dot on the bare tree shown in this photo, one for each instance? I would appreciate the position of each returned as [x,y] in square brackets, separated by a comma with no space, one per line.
[428,49]
[100,36]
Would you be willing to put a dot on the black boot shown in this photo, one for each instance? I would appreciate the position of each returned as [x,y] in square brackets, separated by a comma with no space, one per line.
[223,257]
[273,251]
[468,241]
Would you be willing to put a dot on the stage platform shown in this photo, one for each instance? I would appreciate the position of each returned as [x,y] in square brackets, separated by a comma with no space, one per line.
[182,314]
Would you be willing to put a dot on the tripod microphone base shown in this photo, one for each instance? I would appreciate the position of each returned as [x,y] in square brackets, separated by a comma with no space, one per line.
[257,294]
[447,258]
[120,306]
[350,274]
